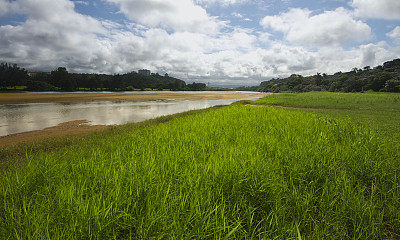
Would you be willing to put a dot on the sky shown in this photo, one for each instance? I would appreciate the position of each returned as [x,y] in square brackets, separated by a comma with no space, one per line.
[220,42]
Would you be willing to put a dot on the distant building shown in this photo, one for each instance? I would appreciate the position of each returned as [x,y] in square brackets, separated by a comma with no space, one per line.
[32,74]
[144,72]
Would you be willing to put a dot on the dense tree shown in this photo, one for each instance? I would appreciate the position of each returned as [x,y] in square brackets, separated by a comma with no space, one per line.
[392,85]
[96,83]
[117,82]
[11,75]
[377,81]
[41,82]
[196,86]
[60,78]
[295,82]
[40,86]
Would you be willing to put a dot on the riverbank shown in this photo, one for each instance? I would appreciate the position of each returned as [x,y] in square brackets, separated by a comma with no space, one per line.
[71,128]
[21,98]
[81,127]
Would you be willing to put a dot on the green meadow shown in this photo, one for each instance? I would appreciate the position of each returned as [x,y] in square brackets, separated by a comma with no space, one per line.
[379,110]
[288,166]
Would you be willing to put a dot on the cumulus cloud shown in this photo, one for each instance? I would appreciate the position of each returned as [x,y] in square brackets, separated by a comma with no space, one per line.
[395,34]
[53,33]
[181,15]
[374,54]
[382,9]
[330,28]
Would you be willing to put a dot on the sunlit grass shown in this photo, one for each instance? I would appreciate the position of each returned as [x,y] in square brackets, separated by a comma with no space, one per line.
[379,110]
[238,171]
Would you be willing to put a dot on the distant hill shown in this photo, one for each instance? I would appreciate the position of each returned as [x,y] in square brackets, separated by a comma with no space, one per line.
[384,78]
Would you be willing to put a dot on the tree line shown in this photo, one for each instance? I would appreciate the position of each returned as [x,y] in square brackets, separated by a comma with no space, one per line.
[384,78]
[60,79]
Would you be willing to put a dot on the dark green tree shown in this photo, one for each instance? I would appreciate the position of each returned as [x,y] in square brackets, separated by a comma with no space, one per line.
[377,81]
[12,75]
[294,82]
[196,86]
[116,82]
[61,78]
[392,85]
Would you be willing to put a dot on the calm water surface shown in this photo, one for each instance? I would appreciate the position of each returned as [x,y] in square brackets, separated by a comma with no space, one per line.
[16,118]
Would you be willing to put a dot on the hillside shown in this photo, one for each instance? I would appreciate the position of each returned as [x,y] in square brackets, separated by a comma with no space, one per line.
[384,78]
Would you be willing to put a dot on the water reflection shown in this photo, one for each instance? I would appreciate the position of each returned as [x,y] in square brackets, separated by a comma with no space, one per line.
[16,118]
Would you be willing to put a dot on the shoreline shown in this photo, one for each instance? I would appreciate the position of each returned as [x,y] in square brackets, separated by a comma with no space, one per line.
[66,97]
[70,128]
[81,127]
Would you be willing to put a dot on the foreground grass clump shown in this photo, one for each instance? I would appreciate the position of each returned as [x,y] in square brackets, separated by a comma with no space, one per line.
[239,171]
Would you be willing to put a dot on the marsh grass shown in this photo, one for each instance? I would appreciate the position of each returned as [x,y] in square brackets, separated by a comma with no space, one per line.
[239,172]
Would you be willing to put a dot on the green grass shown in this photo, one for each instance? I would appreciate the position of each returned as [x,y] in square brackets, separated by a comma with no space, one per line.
[15,156]
[378,110]
[238,172]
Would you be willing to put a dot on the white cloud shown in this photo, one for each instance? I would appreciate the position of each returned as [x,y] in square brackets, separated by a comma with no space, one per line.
[330,28]
[382,9]
[286,21]
[375,54]
[395,34]
[236,14]
[283,60]
[82,2]
[52,34]
[220,2]
[181,15]
[59,14]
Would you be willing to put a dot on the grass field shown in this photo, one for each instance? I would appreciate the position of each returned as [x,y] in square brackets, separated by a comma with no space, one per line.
[378,110]
[239,172]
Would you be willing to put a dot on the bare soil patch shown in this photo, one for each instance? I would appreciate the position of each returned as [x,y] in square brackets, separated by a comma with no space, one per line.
[78,127]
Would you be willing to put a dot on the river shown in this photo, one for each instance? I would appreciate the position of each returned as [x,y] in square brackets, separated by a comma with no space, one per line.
[17,118]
